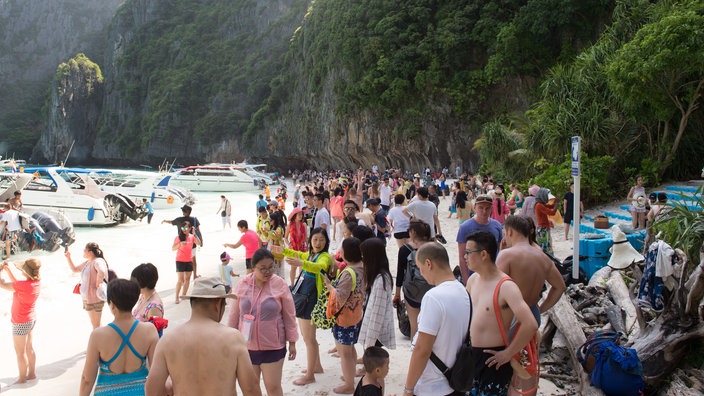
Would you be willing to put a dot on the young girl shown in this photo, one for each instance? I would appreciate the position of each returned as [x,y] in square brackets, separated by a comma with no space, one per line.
[23,318]
[314,261]
[183,245]
[296,237]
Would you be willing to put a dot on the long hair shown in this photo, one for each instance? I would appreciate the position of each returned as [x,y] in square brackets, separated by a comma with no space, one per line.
[461,199]
[98,253]
[375,262]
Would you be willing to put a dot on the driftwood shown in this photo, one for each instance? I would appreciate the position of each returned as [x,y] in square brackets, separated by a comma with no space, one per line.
[621,297]
[565,319]
[665,340]
[600,277]
[685,383]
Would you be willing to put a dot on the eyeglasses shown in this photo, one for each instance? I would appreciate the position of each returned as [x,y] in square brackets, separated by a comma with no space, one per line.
[467,252]
[266,270]
[347,208]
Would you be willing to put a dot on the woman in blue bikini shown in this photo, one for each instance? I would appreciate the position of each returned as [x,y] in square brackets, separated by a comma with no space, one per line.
[119,354]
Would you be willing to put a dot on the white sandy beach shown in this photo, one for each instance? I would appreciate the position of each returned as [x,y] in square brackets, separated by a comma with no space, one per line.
[62,328]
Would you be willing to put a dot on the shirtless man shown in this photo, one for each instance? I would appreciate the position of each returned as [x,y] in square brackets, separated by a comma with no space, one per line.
[530,268]
[203,357]
[493,370]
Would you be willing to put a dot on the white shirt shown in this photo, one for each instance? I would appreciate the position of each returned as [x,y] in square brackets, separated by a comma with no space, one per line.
[444,313]
[385,194]
[12,217]
[425,211]
[398,219]
[322,216]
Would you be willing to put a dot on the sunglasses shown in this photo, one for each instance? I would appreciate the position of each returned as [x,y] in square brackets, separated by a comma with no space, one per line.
[483,199]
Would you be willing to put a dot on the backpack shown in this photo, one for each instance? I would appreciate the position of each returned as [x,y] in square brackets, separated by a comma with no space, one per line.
[414,285]
[614,369]
[461,375]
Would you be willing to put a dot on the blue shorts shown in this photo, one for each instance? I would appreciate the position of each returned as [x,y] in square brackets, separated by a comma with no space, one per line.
[346,335]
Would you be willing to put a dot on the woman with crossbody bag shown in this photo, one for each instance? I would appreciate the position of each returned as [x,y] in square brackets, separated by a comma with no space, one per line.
[346,301]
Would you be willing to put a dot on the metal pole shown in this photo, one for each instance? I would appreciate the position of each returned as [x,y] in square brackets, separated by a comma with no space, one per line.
[576,171]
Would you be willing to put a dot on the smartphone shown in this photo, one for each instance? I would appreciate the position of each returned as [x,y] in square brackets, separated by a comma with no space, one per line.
[323,272]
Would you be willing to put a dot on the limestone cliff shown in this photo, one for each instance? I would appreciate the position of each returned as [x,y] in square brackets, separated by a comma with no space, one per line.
[35,36]
[74,108]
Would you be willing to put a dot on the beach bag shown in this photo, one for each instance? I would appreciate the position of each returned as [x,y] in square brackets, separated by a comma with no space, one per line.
[614,369]
[525,363]
[102,291]
[557,218]
[304,294]
[414,285]
[404,324]
[354,313]
[461,375]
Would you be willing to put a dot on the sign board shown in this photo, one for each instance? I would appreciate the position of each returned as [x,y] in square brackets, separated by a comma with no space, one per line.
[576,143]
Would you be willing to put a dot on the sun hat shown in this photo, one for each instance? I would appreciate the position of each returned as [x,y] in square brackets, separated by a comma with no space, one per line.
[225,257]
[532,190]
[483,198]
[29,267]
[293,213]
[622,253]
[211,287]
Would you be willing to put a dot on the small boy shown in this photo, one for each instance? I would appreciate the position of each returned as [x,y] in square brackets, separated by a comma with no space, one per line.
[226,270]
[376,365]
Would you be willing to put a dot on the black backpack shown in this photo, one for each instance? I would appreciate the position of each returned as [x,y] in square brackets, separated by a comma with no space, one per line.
[461,375]
[414,285]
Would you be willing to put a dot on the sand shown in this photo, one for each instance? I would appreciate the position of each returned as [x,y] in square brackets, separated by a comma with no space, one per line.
[63,328]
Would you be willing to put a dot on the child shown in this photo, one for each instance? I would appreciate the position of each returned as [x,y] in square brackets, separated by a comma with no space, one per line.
[376,365]
[226,270]
[24,299]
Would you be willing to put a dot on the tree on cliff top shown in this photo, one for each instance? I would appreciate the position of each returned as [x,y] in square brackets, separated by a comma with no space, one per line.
[659,75]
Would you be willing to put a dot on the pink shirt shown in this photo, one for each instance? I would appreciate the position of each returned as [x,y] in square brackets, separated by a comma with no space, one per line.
[250,240]
[23,301]
[273,311]
[185,252]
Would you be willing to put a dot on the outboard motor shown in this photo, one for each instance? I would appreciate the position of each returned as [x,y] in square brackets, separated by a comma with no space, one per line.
[127,208]
[48,234]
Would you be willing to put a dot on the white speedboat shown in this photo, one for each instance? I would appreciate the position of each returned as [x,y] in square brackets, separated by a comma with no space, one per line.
[256,172]
[70,192]
[152,186]
[222,178]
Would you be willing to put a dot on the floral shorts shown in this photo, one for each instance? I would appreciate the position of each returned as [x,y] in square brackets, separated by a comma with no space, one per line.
[346,335]
[22,329]
[97,307]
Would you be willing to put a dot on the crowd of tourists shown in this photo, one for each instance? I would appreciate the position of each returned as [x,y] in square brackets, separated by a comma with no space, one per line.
[334,238]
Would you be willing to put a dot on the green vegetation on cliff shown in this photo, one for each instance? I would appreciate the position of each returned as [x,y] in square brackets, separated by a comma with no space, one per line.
[399,58]
[198,72]
[634,97]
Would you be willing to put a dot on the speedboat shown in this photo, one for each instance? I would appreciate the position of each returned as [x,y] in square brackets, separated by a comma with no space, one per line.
[73,194]
[256,172]
[41,230]
[152,186]
[12,164]
[224,178]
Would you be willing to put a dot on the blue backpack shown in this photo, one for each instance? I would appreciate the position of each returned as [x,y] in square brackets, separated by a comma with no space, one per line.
[614,369]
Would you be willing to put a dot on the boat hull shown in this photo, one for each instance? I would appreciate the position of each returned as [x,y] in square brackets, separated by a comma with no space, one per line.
[214,184]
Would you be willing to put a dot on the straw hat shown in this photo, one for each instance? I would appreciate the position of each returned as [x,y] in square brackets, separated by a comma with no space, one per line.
[211,287]
[622,253]
[30,268]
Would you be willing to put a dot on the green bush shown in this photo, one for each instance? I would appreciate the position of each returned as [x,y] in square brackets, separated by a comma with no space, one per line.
[596,185]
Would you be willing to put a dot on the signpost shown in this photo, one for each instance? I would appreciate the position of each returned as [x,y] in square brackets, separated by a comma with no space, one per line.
[576,146]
